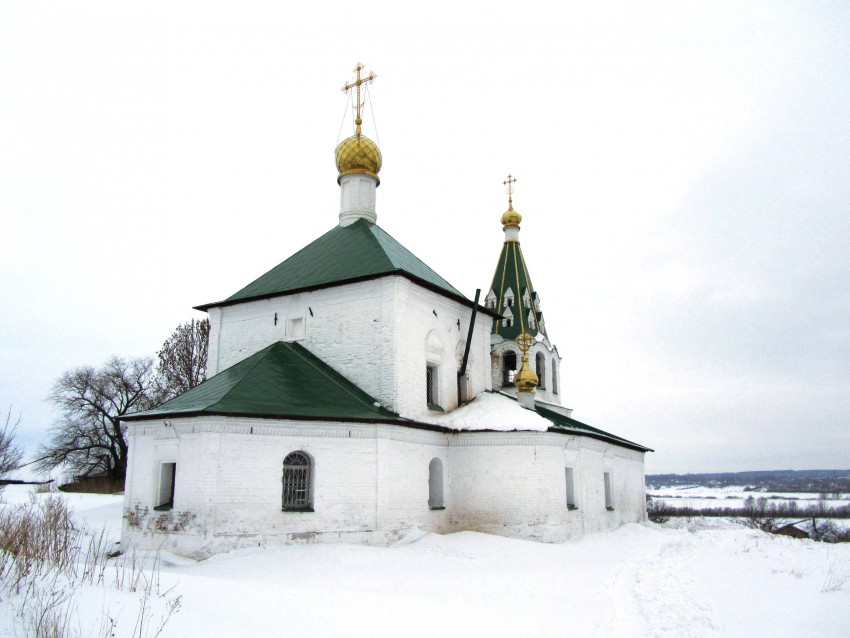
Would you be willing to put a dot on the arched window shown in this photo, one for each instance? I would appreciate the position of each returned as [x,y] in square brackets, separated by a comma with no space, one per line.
[540,362]
[435,484]
[554,376]
[508,367]
[298,482]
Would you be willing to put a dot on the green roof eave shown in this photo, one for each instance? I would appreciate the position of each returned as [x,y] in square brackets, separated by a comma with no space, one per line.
[401,421]
[564,424]
[401,273]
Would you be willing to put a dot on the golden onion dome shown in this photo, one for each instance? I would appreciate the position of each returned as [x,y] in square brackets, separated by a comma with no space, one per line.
[511,217]
[525,380]
[358,154]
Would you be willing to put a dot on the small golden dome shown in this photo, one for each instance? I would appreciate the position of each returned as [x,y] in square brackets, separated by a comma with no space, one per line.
[525,380]
[358,154]
[511,217]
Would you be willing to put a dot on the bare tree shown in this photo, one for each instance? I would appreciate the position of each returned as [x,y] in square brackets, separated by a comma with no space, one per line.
[760,514]
[657,510]
[183,357]
[88,438]
[10,453]
[824,531]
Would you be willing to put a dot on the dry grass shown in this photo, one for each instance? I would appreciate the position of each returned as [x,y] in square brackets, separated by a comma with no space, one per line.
[45,558]
[834,580]
[35,539]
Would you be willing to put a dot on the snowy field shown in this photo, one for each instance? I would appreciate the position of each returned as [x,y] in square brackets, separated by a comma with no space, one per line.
[701,497]
[639,580]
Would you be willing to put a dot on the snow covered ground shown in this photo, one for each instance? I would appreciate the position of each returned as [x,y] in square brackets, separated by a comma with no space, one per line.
[639,580]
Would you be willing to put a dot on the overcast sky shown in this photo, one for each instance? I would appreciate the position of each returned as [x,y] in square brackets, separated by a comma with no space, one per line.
[683,172]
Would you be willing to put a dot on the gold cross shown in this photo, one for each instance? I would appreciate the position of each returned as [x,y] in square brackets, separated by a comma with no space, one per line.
[524,341]
[356,84]
[510,190]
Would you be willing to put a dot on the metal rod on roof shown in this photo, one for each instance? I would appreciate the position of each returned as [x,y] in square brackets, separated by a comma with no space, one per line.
[462,370]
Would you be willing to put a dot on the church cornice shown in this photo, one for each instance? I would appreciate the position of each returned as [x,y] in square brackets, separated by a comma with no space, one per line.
[212,422]
[335,284]
[284,417]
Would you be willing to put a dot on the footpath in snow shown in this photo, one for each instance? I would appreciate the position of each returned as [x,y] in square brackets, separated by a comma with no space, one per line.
[639,580]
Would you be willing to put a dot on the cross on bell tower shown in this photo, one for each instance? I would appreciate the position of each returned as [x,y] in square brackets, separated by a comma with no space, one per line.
[509,182]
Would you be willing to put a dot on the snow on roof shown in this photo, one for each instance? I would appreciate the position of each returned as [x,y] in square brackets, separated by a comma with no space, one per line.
[492,411]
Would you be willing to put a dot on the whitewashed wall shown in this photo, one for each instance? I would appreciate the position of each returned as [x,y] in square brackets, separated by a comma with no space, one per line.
[379,334]
[514,484]
[348,326]
[433,329]
[370,484]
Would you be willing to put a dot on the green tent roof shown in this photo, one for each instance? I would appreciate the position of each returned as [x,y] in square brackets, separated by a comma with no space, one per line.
[344,254]
[284,380]
[512,274]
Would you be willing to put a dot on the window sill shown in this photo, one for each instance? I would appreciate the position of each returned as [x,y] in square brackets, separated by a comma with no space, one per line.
[165,507]
[572,508]
[431,507]
[297,509]
[435,408]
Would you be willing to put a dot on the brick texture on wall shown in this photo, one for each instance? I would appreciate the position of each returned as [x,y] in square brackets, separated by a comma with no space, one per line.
[370,483]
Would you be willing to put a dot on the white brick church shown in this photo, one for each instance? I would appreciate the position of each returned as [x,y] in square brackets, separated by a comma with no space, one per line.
[355,396]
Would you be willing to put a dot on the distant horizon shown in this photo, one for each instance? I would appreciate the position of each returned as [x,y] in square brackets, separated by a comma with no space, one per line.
[748,471]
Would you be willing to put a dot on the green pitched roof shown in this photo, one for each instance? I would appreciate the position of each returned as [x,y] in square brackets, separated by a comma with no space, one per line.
[344,254]
[287,381]
[565,424]
[512,275]
[284,380]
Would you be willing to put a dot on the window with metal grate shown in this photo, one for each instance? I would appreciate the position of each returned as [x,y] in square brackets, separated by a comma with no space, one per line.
[432,387]
[297,482]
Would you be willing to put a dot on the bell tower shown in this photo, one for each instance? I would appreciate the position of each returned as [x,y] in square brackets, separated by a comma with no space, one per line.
[524,362]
